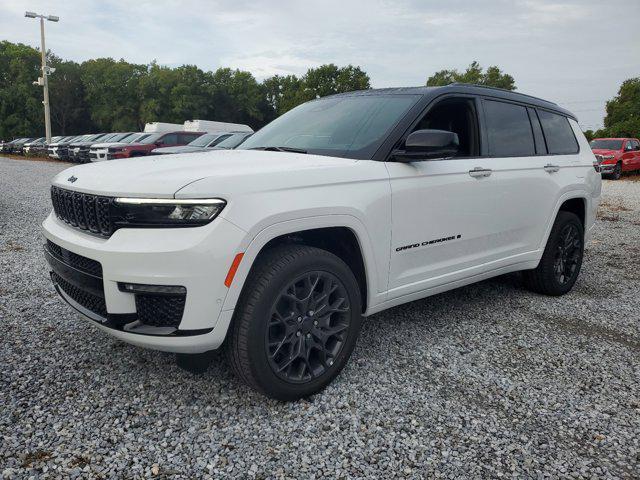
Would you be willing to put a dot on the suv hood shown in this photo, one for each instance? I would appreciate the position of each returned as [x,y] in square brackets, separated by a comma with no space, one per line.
[224,172]
[602,151]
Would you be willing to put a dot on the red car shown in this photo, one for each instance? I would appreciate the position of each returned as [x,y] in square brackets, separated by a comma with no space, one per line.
[618,155]
[155,140]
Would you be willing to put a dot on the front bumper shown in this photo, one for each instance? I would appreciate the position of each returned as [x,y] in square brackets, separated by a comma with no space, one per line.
[99,155]
[606,168]
[196,258]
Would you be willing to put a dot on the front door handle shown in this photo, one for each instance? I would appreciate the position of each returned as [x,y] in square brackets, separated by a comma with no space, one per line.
[480,172]
[551,168]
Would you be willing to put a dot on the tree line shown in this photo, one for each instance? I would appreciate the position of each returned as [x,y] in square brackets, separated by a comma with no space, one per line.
[106,95]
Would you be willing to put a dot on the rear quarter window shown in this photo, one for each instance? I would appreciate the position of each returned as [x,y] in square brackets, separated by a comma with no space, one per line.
[508,129]
[558,133]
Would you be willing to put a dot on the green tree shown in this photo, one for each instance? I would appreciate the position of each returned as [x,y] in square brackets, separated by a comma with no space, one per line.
[112,93]
[589,135]
[155,92]
[330,79]
[69,114]
[282,92]
[623,111]
[21,111]
[286,92]
[492,77]
[236,96]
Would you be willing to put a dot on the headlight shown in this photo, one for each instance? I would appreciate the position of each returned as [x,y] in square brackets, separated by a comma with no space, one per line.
[160,212]
[608,157]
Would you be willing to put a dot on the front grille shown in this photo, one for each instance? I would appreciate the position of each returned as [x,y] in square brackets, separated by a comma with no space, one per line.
[160,310]
[87,300]
[74,260]
[82,210]
[93,155]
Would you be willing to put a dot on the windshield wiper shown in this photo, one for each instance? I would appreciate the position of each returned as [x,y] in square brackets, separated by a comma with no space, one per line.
[280,149]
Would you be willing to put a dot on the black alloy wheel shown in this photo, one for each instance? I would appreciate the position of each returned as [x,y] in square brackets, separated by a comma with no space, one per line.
[568,254]
[307,327]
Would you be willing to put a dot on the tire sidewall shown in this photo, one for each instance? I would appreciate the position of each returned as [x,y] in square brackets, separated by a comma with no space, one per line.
[258,360]
[564,219]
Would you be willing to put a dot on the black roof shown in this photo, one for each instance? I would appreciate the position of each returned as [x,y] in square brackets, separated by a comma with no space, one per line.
[468,89]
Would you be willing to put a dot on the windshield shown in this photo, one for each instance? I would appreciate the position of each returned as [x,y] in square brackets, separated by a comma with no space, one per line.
[151,138]
[135,138]
[233,141]
[204,140]
[118,137]
[351,126]
[606,144]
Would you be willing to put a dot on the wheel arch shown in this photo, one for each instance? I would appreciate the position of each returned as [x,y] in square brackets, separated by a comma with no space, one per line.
[343,235]
[575,201]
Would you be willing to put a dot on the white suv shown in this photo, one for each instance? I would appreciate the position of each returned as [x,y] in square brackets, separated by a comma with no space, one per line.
[343,207]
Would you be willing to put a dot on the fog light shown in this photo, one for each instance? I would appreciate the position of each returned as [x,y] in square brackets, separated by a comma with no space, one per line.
[152,289]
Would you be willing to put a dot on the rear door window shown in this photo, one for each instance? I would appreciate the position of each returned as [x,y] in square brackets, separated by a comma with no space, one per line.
[541,147]
[558,133]
[508,128]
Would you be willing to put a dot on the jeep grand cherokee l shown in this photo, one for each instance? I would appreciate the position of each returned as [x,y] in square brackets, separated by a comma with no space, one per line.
[343,207]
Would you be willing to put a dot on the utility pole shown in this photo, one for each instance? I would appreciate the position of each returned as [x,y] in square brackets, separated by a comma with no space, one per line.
[44,80]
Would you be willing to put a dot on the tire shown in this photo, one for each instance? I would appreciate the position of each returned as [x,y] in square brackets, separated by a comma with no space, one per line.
[546,279]
[617,172]
[263,338]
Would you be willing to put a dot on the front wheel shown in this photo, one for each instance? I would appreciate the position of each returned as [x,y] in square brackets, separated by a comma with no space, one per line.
[560,264]
[296,323]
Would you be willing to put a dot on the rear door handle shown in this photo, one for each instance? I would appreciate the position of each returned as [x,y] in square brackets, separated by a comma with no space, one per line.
[480,172]
[551,168]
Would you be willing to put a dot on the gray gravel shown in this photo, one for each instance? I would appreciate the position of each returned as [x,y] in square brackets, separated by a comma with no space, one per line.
[485,381]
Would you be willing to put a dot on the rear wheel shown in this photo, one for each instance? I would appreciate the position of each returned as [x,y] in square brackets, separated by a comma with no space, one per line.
[296,323]
[560,265]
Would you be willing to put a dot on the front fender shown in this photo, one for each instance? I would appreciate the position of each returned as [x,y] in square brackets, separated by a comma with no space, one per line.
[254,245]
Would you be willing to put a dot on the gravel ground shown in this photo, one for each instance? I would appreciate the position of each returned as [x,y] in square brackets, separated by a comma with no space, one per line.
[485,381]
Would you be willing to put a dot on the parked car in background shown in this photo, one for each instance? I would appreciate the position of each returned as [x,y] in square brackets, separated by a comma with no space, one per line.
[155,140]
[26,146]
[618,155]
[233,141]
[341,208]
[100,151]
[7,147]
[200,144]
[35,149]
[60,150]
[79,151]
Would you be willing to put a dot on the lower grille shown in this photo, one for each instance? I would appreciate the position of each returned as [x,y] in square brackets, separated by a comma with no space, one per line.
[74,260]
[87,300]
[160,310]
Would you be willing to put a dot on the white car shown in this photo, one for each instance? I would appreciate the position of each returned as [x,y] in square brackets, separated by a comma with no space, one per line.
[343,207]
[100,151]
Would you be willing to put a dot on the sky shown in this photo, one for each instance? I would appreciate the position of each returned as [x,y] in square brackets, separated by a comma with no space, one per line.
[575,53]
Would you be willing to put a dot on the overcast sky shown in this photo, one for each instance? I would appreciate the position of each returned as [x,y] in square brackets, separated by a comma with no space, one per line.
[575,53]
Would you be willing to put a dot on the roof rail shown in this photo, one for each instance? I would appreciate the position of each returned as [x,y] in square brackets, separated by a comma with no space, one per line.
[500,90]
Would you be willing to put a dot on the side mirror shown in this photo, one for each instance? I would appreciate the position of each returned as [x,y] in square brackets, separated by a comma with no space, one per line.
[425,144]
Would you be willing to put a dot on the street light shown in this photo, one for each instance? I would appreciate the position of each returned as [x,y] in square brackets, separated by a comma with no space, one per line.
[45,70]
